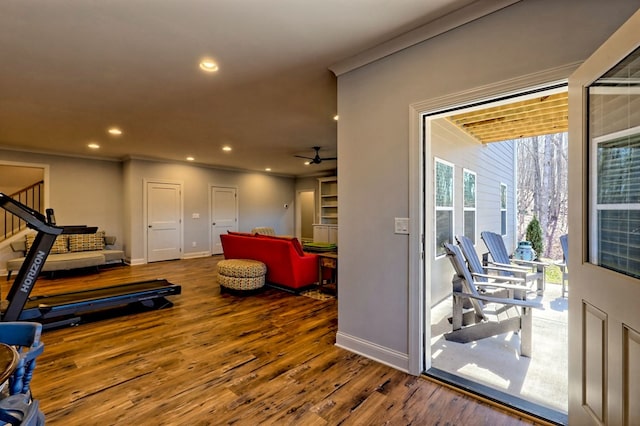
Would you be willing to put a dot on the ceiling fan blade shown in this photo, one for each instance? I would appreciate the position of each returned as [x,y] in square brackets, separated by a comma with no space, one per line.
[330,158]
[306,158]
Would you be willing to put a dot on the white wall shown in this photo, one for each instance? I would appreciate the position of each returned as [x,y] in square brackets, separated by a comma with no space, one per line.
[373,144]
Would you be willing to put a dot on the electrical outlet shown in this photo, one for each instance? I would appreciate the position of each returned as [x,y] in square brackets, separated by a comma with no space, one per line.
[194,244]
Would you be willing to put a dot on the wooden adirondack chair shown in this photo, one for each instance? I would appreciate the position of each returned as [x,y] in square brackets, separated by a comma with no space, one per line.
[535,271]
[489,273]
[485,315]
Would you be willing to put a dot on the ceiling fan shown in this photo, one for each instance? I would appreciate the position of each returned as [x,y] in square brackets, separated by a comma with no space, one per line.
[317,159]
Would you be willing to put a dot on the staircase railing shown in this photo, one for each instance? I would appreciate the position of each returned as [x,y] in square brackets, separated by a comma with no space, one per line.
[33,197]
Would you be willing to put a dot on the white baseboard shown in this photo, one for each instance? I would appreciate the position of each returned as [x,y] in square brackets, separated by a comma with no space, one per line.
[132,262]
[390,357]
[196,254]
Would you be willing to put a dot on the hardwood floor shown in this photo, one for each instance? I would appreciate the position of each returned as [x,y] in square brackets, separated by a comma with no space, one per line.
[213,358]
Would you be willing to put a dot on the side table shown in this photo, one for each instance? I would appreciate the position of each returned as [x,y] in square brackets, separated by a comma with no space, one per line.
[328,260]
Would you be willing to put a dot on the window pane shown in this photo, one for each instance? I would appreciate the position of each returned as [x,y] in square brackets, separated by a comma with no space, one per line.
[469,189]
[619,171]
[619,240]
[444,185]
[444,229]
[470,225]
[503,196]
[503,222]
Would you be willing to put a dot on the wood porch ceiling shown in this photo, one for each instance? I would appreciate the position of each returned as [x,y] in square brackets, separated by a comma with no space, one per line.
[533,117]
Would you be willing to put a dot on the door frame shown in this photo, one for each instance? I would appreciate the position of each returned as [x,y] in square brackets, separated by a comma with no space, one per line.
[420,183]
[211,186]
[145,212]
[298,212]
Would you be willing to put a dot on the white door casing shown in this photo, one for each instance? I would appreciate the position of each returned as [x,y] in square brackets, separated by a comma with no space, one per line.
[604,319]
[224,214]
[164,221]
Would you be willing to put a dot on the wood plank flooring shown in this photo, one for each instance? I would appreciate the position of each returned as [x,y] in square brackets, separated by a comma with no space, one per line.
[267,358]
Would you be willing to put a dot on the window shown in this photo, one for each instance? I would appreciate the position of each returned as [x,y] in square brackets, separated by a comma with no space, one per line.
[503,209]
[614,127]
[443,204]
[469,204]
[617,202]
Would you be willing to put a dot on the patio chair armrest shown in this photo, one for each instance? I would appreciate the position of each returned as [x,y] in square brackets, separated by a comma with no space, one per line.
[500,285]
[511,266]
[500,277]
[503,300]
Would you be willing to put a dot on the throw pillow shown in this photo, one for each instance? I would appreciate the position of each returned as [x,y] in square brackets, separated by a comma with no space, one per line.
[59,246]
[86,242]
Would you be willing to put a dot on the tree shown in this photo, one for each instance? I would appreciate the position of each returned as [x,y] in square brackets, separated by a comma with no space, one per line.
[542,188]
[534,236]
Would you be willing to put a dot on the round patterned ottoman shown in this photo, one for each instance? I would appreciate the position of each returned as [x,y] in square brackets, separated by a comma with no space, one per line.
[241,274]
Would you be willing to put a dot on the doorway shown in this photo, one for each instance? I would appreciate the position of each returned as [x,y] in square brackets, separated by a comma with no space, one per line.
[224,214]
[470,185]
[305,213]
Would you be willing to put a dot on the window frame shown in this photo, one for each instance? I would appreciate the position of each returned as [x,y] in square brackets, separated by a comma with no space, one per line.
[473,209]
[595,206]
[504,203]
[438,250]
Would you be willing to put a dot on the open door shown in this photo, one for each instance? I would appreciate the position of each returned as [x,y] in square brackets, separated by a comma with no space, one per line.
[604,233]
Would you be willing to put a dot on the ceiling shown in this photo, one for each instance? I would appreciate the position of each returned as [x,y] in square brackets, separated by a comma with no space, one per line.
[537,116]
[69,70]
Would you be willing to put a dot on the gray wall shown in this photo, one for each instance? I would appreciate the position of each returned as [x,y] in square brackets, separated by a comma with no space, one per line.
[109,194]
[373,142]
[261,200]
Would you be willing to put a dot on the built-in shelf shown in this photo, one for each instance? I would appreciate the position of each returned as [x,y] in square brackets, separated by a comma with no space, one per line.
[326,230]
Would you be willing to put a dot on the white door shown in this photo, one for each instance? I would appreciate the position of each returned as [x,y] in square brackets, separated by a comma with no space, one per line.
[164,221]
[604,236]
[224,215]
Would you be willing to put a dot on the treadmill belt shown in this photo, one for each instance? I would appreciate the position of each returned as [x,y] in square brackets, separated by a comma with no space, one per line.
[78,302]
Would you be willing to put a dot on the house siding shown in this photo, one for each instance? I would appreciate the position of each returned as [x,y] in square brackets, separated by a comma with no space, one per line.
[493,164]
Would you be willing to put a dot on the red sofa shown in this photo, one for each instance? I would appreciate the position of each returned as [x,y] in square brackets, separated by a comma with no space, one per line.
[287,264]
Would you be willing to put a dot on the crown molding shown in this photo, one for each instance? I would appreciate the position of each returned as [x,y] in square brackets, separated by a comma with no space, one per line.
[448,22]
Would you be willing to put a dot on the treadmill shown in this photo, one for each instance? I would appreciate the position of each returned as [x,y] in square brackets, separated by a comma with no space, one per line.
[69,308]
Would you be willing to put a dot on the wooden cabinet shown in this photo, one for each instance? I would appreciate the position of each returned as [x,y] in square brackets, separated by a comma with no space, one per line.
[325,234]
[326,229]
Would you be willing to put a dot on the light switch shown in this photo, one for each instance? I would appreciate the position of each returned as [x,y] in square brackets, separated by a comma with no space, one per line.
[195,216]
[401,225]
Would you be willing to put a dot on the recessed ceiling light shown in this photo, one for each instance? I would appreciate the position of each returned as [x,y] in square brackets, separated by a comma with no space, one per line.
[190,158]
[335,117]
[306,163]
[268,169]
[226,148]
[208,65]
[93,145]
[114,131]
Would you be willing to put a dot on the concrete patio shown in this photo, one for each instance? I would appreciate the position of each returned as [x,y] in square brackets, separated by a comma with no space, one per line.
[495,361]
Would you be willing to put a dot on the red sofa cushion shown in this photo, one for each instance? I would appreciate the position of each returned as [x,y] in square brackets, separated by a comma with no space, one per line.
[285,265]
[293,240]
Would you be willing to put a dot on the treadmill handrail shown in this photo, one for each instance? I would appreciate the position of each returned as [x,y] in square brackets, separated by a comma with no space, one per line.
[34,219]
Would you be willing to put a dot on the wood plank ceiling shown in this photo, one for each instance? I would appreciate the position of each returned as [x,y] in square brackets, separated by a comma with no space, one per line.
[533,117]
